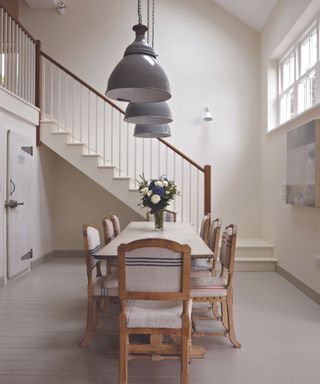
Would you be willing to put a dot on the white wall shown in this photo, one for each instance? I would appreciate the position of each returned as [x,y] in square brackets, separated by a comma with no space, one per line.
[293,230]
[78,200]
[18,116]
[210,57]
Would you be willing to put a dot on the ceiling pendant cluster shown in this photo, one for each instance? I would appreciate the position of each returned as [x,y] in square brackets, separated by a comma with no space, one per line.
[141,81]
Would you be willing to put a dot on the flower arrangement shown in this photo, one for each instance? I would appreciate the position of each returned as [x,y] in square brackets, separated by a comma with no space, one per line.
[156,194]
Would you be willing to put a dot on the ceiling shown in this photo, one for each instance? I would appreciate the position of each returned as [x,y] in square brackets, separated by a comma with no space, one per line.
[252,12]
[42,4]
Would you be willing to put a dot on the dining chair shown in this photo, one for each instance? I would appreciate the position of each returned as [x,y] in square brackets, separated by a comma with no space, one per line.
[108,232]
[100,287]
[169,216]
[116,223]
[205,226]
[207,267]
[154,292]
[219,290]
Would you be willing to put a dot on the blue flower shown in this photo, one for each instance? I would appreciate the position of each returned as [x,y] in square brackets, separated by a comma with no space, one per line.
[158,191]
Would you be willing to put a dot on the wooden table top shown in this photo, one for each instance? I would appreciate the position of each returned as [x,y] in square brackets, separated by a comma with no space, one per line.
[183,233]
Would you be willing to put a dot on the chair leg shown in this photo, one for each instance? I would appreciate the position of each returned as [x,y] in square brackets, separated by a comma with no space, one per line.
[123,351]
[90,322]
[185,352]
[231,330]
[224,314]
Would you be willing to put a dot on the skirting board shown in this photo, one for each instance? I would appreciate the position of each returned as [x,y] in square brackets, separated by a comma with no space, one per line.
[311,293]
[35,263]
[1,281]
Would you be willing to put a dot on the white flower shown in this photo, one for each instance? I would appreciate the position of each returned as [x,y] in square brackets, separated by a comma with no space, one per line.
[155,199]
[144,190]
[158,183]
[149,193]
[167,192]
[165,183]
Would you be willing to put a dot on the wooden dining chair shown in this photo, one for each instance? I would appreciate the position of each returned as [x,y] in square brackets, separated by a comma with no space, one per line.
[169,216]
[154,291]
[116,224]
[205,226]
[220,289]
[100,287]
[108,232]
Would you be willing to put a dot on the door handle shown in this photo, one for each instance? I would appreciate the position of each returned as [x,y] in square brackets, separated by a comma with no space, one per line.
[12,204]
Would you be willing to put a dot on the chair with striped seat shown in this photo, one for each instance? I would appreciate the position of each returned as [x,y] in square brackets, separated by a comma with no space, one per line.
[108,232]
[207,267]
[100,287]
[154,277]
[168,216]
[219,290]
[205,226]
[116,224]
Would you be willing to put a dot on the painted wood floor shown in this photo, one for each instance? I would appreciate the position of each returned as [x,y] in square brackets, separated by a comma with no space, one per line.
[42,320]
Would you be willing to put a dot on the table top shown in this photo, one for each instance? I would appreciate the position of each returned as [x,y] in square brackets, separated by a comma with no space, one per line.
[183,233]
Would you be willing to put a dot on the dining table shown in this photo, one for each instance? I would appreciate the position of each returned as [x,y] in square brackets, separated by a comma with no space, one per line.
[181,232]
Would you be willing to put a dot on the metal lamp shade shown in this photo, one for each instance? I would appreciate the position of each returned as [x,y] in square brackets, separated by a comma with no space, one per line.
[148,113]
[138,77]
[152,131]
[207,116]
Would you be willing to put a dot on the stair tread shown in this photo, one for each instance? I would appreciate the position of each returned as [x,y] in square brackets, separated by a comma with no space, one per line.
[90,155]
[75,144]
[60,133]
[252,243]
[257,258]
[106,166]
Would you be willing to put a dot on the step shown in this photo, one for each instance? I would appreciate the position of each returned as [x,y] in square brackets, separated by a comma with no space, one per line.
[254,254]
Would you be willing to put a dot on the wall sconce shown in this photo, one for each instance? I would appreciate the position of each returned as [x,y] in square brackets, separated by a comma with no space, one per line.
[61,7]
[206,114]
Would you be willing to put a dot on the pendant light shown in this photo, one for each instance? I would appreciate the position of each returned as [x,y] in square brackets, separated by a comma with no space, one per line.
[148,113]
[138,77]
[153,131]
[206,115]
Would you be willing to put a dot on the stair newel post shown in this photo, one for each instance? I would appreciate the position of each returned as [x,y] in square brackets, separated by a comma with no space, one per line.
[207,189]
[38,86]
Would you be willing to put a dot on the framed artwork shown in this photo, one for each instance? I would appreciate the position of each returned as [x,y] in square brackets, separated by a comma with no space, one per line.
[303,165]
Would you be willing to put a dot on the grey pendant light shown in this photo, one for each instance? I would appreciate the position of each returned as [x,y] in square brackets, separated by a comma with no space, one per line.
[148,113]
[138,77]
[152,131]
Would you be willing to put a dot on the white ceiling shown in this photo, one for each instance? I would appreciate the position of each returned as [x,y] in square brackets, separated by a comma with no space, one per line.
[42,3]
[252,12]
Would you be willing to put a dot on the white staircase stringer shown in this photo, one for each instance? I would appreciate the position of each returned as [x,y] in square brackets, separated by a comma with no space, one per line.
[89,165]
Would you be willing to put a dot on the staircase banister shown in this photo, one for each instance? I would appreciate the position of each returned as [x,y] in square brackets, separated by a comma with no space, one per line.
[19,24]
[68,72]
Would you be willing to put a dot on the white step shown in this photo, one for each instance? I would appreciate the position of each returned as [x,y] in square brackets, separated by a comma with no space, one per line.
[254,254]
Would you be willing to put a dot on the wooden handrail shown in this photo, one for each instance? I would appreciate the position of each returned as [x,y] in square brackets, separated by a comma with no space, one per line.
[19,24]
[68,72]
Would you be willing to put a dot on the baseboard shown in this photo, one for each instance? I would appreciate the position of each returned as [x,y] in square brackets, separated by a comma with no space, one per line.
[311,293]
[1,281]
[68,253]
[40,260]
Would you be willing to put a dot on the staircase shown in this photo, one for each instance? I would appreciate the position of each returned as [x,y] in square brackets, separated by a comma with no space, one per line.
[87,129]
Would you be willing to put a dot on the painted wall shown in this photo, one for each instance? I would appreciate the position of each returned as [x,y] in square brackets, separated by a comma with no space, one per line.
[41,210]
[295,231]
[210,57]
[11,6]
[78,200]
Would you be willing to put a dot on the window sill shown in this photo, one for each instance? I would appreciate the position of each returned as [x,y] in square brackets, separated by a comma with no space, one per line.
[299,119]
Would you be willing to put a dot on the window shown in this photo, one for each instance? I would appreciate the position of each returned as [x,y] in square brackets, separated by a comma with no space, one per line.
[298,74]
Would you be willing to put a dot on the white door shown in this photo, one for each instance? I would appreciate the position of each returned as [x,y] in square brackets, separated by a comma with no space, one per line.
[17,204]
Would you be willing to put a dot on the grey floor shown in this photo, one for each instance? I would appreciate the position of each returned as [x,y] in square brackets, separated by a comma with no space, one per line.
[42,320]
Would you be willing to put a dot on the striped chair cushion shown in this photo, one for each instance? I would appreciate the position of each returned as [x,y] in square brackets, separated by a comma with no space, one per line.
[153,270]
[208,286]
[106,285]
[155,314]
[94,244]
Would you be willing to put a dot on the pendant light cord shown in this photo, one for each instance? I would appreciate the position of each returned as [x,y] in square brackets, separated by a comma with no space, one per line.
[148,21]
[139,12]
[153,1]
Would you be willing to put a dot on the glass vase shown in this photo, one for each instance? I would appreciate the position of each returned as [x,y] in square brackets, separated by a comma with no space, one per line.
[158,220]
